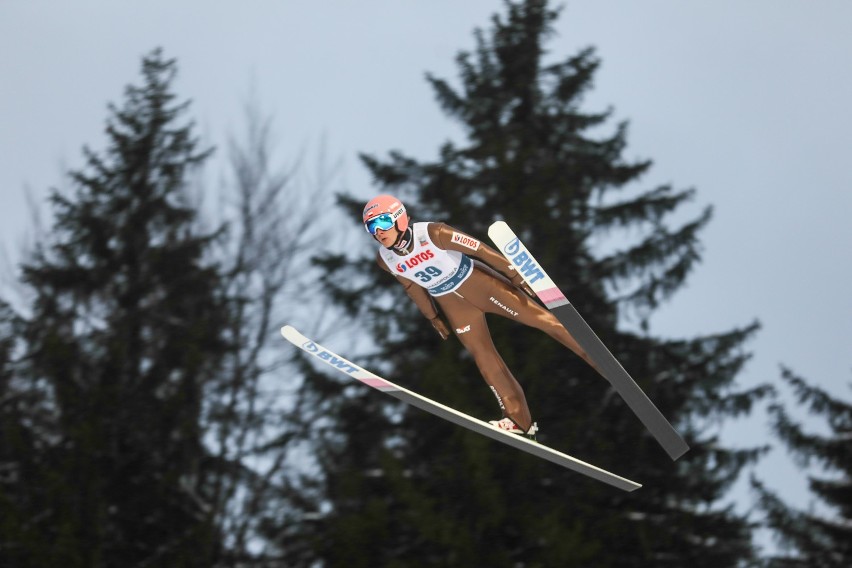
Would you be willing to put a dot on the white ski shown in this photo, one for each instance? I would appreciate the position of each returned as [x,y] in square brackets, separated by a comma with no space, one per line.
[513,249]
[454,416]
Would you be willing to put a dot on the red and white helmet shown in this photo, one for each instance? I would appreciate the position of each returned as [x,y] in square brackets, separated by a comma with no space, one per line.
[383,212]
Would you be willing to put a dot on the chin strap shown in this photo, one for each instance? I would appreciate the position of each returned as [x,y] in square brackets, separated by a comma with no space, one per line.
[403,240]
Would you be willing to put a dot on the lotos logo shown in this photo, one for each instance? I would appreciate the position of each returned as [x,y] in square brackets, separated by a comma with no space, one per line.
[465,241]
[526,265]
[415,260]
[310,347]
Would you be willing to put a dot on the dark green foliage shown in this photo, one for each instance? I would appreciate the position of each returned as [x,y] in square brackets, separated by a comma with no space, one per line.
[21,423]
[818,539]
[406,489]
[121,338]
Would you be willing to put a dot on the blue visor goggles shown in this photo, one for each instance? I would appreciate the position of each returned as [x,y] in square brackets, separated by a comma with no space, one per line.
[384,222]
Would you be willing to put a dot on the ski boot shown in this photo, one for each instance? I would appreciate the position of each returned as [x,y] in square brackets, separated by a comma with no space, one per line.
[509,425]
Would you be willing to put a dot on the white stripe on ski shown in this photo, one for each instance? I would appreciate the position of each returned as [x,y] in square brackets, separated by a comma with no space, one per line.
[454,416]
[514,250]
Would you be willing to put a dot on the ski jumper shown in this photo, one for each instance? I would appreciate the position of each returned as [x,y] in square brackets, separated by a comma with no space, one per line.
[467,279]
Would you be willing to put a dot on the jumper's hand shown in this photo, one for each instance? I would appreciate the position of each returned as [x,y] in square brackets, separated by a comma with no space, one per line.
[440,326]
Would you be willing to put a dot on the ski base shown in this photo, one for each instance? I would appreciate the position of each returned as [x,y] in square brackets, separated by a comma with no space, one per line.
[514,250]
[459,418]
[630,392]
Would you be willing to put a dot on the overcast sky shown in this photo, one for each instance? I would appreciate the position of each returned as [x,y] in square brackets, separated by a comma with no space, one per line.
[748,102]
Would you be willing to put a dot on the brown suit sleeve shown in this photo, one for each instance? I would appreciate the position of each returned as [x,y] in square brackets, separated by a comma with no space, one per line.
[449,238]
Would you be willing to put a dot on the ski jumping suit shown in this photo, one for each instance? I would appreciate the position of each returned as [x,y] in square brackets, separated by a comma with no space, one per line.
[438,260]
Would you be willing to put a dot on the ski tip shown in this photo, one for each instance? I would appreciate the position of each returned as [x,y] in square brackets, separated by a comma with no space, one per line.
[497,226]
[291,334]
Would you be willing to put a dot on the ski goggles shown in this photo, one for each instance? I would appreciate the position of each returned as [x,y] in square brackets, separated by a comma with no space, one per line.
[384,222]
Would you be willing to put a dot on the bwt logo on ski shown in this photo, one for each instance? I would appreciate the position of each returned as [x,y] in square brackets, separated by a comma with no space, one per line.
[522,260]
[513,247]
[330,358]
[415,260]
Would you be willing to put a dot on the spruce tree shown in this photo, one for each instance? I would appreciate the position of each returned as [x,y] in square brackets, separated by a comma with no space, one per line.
[122,337]
[438,495]
[815,539]
[23,429]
